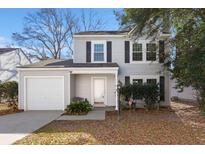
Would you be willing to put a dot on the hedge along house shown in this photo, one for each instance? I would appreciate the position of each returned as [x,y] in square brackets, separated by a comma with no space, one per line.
[101,58]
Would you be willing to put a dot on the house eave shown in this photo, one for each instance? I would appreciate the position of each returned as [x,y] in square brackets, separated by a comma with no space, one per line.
[83,36]
[73,69]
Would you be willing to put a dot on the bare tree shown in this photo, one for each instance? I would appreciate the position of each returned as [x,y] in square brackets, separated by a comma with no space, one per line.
[91,21]
[48,33]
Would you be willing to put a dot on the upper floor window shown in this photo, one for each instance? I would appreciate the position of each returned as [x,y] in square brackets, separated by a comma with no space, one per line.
[137,52]
[98,51]
[143,51]
[151,51]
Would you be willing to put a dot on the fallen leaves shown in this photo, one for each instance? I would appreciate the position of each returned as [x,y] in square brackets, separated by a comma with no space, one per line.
[4,109]
[167,126]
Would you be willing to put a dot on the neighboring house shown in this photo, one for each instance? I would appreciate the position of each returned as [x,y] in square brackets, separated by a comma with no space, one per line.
[188,93]
[10,58]
[101,58]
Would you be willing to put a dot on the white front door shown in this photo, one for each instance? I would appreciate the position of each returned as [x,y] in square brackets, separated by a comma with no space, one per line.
[99,90]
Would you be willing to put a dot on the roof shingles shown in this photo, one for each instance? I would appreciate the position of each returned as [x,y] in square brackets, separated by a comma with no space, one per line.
[54,63]
[6,50]
[102,33]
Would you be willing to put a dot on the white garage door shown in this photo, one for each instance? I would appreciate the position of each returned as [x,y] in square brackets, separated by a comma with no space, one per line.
[44,93]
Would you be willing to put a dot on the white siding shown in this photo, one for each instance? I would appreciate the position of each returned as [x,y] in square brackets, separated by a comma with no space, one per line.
[118,56]
[72,86]
[188,93]
[83,87]
[8,63]
[111,90]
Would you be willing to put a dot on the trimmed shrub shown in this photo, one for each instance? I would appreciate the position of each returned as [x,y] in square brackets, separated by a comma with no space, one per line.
[147,92]
[125,91]
[9,92]
[137,91]
[78,107]
[151,95]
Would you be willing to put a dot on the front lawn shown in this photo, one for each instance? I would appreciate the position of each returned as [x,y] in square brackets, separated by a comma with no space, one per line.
[182,124]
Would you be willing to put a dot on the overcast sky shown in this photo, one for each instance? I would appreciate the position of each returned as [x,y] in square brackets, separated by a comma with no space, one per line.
[11,20]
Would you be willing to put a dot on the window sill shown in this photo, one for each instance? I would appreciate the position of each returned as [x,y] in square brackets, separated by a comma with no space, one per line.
[144,62]
[98,62]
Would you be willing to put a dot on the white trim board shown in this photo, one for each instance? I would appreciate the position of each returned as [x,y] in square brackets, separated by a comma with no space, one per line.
[100,36]
[69,69]
[144,77]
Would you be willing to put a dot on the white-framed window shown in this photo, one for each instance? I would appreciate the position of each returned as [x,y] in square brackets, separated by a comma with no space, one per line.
[137,52]
[144,79]
[98,51]
[143,51]
[152,81]
[151,52]
[137,81]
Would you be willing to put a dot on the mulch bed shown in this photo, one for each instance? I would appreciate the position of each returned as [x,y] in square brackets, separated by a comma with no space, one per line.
[9,111]
[5,109]
[75,114]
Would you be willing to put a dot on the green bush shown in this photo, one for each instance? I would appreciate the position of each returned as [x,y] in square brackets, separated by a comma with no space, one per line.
[151,95]
[147,92]
[137,91]
[78,107]
[125,91]
[9,92]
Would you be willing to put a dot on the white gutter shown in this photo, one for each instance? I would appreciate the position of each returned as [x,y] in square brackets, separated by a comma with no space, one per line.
[82,36]
[68,68]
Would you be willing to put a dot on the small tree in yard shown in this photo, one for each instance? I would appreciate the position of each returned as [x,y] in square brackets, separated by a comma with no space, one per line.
[151,95]
[10,93]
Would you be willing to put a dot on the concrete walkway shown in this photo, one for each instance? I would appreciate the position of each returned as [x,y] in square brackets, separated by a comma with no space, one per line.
[16,126]
[96,114]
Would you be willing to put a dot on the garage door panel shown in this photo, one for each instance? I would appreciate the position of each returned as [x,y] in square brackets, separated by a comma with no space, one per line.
[44,93]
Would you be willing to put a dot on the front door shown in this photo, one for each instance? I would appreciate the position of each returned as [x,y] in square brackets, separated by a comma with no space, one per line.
[99,91]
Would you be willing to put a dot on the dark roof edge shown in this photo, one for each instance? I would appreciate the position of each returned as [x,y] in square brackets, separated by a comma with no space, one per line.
[67,64]
[102,32]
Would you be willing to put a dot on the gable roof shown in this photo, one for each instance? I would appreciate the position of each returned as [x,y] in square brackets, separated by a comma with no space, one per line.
[57,63]
[102,33]
[6,50]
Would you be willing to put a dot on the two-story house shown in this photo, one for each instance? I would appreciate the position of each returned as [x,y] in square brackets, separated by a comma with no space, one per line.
[100,60]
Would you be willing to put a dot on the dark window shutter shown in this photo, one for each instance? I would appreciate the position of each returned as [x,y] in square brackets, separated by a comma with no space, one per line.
[127,80]
[161,51]
[162,88]
[109,51]
[127,51]
[88,52]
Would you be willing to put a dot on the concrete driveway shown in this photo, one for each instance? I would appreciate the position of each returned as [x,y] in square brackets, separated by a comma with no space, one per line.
[16,126]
